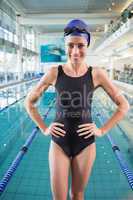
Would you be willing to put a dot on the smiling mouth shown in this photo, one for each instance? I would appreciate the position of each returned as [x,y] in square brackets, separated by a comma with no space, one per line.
[75,57]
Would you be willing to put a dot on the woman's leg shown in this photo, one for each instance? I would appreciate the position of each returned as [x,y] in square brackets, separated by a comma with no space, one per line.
[59,165]
[81,166]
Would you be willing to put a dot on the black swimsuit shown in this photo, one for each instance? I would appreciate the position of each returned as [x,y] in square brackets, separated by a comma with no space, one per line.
[73,107]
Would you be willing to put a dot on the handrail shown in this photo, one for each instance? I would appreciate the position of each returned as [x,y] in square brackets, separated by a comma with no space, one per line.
[3,86]
[14,84]
[1,110]
[11,170]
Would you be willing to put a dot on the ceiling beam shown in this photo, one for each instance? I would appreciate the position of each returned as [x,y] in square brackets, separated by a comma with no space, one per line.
[62,19]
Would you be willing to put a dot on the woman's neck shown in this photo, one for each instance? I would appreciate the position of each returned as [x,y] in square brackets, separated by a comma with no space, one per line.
[77,69]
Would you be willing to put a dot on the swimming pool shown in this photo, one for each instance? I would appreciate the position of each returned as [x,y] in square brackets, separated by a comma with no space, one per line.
[31,179]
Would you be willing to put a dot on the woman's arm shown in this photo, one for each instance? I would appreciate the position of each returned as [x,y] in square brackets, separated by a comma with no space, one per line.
[35,93]
[115,94]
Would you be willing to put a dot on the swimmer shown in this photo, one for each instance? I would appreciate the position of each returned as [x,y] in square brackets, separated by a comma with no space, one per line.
[73,132]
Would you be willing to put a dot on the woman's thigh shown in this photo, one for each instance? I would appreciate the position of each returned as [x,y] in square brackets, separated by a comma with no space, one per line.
[81,166]
[59,165]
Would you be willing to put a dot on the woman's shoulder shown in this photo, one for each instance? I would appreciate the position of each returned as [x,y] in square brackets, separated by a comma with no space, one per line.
[53,73]
[99,71]
[99,75]
[50,75]
[53,70]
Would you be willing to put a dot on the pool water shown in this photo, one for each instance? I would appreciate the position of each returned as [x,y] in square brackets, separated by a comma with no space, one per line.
[31,179]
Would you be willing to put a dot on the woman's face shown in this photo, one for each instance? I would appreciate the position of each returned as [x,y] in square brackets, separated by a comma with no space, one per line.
[76,49]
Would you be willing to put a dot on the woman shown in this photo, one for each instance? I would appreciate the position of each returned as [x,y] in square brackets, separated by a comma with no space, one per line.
[73,132]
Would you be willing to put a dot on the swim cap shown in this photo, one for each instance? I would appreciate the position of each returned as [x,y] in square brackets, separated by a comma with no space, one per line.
[79,28]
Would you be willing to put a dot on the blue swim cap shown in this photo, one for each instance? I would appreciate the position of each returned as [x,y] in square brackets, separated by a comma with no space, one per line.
[79,28]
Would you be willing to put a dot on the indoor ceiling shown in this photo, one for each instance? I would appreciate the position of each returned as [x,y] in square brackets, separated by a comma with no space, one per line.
[59,6]
[48,17]
[51,16]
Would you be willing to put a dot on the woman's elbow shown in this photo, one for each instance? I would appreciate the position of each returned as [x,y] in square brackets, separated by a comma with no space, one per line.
[27,103]
[125,108]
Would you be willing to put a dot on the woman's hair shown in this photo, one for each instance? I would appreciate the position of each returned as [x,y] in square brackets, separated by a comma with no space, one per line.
[77,27]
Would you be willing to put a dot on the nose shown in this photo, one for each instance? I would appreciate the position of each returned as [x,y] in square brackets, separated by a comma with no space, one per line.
[75,50]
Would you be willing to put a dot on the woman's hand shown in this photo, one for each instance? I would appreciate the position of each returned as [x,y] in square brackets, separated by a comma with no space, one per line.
[88,130]
[53,129]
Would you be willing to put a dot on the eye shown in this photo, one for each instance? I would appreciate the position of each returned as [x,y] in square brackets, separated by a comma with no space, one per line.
[70,45]
[80,46]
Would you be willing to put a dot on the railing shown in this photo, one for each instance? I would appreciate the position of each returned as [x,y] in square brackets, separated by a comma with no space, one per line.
[13,92]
